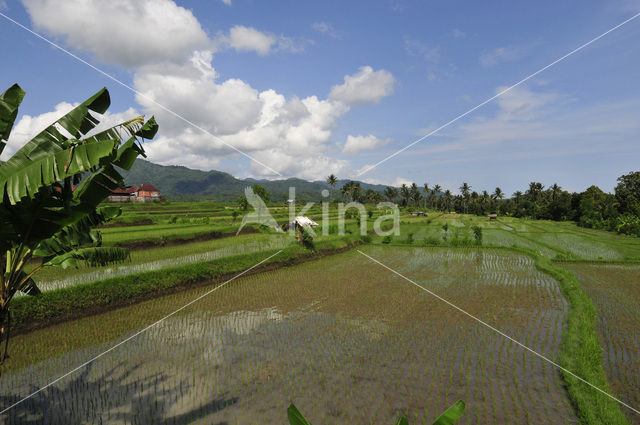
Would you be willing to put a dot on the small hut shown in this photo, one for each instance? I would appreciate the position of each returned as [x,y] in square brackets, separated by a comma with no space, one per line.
[299,223]
[493,217]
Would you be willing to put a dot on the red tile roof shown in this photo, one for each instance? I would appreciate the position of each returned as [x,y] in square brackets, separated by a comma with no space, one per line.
[148,188]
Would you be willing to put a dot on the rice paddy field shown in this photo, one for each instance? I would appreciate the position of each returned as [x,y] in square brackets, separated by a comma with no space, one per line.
[343,338]
[348,341]
[615,290]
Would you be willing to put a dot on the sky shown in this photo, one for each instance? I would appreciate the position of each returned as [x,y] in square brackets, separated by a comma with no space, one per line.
[304,89]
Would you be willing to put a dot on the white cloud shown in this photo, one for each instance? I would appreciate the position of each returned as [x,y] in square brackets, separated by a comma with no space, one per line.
[248,39]
[356,144]
[291,135]
[288,135]
[120,31]
[532,124]
[3,5]
[399,181]
[27,126]
[327,29]
[457,33]
[366,86]
[227,2]
[499,55]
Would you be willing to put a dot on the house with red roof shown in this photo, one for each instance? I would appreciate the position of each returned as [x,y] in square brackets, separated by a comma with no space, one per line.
[144,193]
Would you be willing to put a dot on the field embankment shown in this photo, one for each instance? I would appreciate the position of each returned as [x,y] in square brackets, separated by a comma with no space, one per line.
[93,297]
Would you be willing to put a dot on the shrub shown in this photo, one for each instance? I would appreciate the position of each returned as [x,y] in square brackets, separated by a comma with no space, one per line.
[386,239]
[431,241]
[173,219]
[307,239]
[365,238]
[410,238]
[477,234]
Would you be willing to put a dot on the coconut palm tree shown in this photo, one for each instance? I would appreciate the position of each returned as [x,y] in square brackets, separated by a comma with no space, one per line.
[427,192]
[44,217]
[498,194]
[555,191]
[405,194]
[447,199]
[464,191]
[332,180]
[391,193]
[415,194]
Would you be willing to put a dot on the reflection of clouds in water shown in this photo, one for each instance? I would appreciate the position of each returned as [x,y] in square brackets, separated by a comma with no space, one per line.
[208,335]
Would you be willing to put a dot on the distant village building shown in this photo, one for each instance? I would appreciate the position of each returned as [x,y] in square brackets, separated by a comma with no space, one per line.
[143,193]
[493,217]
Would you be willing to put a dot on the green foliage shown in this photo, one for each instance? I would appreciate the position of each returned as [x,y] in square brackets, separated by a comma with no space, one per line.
[41,215]
[307,238]
[73,300]
[261,192]
[386,239]
[410,238]
[452,414]
[477,234]
[365,238]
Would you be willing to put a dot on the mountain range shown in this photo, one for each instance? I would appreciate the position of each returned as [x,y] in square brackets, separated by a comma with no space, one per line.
[185,184]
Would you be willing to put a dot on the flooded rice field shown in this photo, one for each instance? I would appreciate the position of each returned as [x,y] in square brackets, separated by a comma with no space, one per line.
[343,338]
[615,290]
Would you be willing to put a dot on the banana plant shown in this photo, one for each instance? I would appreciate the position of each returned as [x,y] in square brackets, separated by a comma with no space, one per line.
[449,416]
[50,191]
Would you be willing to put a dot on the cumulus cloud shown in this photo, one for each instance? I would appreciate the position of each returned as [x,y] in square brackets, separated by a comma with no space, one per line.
[356,144]
[122,32]
[366,86]
[29,126]
[499,55]
[288,135]
[532,124]
[248,39]
[326,29]
[204,120]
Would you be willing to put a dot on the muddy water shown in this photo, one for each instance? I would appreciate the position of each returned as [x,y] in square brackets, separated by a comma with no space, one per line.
[345,340]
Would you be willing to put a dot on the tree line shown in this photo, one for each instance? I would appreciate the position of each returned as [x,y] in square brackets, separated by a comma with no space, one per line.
[593,208]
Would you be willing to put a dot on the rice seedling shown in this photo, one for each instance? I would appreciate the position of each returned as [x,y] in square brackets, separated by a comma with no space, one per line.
[346,341]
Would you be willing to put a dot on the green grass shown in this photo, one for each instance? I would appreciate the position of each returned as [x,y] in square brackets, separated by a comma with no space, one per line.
[125,289]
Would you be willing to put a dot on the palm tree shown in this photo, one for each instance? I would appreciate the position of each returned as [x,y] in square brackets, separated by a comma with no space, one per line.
[535,189]
[332,180]
[42,216]
[434,192]
[516,197]
[404,193]
[415,194]
[427,192]
[498,194]
[391,193]
[464,191]
[484,200]
[447,199]
[555,191]
[345,190]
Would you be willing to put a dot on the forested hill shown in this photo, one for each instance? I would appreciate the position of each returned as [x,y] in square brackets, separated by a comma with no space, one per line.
[182,183]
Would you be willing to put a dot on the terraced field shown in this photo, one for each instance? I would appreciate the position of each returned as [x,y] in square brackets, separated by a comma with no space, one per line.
[615,290]
[345,339]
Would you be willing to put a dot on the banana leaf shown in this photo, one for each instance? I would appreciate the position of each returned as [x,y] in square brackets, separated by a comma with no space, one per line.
[9,102]
[96,256]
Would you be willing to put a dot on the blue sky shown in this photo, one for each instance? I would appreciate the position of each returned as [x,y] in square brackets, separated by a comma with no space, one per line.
[318,87]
